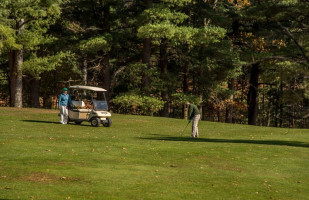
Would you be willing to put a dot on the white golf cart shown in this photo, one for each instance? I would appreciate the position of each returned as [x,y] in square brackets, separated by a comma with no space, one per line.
[89,105]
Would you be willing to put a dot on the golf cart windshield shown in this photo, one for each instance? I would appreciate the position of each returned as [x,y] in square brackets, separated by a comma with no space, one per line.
[100,105]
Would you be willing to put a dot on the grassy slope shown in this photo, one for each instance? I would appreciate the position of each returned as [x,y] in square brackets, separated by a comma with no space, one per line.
[145,158]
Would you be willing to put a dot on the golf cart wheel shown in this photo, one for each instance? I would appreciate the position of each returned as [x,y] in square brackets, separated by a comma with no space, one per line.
[78,122]
[95,122]
[107,123]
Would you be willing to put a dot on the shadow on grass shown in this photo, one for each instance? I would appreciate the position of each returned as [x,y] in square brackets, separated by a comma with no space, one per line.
[264,142]
[39,121]
[49,122]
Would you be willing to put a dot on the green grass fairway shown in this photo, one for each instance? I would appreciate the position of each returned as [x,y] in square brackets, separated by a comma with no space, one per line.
[146,158]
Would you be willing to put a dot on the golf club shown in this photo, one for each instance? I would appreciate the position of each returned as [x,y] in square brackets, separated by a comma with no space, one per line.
[184,129]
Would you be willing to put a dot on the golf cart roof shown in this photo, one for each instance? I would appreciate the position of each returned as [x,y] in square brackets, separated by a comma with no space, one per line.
[84,87]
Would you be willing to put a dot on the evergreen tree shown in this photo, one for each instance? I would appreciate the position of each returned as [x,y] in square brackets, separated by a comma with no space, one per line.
[168,29]
[24,23]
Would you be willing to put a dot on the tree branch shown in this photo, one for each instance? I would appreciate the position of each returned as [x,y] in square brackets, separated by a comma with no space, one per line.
[289,34]
[267,59]
[120,70]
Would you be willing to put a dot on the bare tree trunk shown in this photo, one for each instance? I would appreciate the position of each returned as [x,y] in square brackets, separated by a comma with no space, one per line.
[146,54]
[253,94]
[106,69]
[11,59]
[185,89]
[204,116]
[18,101]
[263,108]
[268,115]
[289,117]
[16,73]
[185,112]
[281,104]
[85,72]
[293,118]
[218,113]
[106,72]
[146,61]
[35,96]
[293,106]
[229,107]
[200,90]
[163,66]
[276,110]
[185,85]
[201,107]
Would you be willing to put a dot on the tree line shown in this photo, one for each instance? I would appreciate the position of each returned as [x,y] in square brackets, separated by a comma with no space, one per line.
[240,61]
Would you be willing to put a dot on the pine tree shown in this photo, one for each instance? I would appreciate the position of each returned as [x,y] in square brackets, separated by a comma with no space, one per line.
[168,29]
[24,22]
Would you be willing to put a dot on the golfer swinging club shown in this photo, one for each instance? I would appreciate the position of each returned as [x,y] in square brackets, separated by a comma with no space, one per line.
[194,116]
[64,99]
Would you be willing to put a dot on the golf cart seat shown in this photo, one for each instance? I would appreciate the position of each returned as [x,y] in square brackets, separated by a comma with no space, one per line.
[80,106]
[84,110]
[78,103]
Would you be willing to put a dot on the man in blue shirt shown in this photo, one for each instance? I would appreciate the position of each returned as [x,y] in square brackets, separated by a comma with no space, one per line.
[64,99]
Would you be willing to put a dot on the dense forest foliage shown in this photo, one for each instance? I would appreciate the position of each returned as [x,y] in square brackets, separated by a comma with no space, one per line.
[240,61]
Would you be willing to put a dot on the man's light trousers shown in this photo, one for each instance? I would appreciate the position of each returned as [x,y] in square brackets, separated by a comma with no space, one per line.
[194,125]
[64,115]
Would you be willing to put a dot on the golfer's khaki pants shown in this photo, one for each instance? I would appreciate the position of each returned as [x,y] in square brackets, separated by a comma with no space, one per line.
[64,115]
[194,125]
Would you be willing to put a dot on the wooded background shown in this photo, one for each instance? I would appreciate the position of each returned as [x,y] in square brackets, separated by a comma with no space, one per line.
[240,61]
